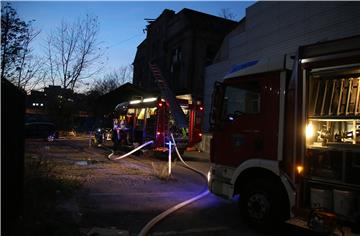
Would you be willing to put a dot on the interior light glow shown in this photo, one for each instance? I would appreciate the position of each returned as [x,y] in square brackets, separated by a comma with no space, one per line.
[135,101]
[200,134]
[149,99]
[309,130]
[141,115]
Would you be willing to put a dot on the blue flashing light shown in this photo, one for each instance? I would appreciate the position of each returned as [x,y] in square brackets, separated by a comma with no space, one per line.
[242,66]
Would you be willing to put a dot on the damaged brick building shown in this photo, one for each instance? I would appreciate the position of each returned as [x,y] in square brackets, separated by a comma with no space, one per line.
[182,45]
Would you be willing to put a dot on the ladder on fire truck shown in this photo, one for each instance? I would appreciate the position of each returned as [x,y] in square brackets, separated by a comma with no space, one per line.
[336,97]
[169,96]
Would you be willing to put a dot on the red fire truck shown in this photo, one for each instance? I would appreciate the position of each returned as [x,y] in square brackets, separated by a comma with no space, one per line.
[151,119]
[155,118]
[288,141]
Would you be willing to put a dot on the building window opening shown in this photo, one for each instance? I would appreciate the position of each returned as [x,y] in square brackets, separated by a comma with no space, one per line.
[176,57]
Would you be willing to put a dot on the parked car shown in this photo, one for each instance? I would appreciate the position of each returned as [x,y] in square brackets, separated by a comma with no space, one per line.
[45,130]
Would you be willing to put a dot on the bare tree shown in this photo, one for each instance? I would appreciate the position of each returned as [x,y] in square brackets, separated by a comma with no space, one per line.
[18,64]
[31,73]
[28,66]
[50,75]
[112,80]
[121,75]
[73,52]
[227,14]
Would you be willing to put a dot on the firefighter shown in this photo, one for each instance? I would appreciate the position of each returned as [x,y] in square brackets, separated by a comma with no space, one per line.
[116,133]
[123,132]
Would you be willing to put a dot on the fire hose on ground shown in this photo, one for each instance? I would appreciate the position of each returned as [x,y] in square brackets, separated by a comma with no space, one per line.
[129,153]
[145,230]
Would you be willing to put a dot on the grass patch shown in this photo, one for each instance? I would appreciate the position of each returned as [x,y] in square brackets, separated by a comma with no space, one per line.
[42,192]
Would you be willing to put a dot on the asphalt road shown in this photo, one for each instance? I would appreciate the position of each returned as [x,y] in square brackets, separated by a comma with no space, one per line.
[126,194]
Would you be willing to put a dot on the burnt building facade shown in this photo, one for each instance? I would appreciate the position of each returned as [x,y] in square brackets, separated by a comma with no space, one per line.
[181,45]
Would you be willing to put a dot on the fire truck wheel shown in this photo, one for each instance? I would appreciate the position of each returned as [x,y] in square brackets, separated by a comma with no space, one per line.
[260,204]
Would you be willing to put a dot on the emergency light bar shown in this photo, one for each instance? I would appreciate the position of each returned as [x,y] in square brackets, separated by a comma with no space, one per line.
[149,99]
[135,101]
[143,100]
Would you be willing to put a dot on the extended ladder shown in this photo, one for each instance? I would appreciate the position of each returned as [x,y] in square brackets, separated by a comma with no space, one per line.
[169,96]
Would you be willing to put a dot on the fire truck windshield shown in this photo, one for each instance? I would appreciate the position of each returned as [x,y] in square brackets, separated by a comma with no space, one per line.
[239,100]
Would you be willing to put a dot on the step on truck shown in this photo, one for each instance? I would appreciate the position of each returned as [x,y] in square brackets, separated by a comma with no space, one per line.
[287,138]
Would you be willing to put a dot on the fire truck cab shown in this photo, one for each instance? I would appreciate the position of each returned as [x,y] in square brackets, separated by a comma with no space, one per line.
[286,139]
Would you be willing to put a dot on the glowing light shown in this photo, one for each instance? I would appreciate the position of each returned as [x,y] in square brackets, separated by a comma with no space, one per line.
[309,130]
[201,108]
[149,99]
[200,134]
[299,169]
[160,104]
[169,158]
[208,176]
[158,133]
[135,101]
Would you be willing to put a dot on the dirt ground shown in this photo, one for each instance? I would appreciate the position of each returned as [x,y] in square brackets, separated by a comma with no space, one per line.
[72,188]
[121,195]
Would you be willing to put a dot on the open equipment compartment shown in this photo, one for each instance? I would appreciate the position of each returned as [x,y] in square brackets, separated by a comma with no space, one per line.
[332,156]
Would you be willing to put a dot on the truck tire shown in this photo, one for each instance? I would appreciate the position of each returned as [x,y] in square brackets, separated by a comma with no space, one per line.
[262,204]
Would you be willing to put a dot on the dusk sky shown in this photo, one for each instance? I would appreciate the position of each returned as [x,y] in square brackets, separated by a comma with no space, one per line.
[121,23]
